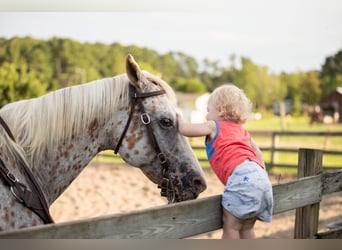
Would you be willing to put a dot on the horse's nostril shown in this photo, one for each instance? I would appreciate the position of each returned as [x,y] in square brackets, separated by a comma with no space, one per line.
[200,184]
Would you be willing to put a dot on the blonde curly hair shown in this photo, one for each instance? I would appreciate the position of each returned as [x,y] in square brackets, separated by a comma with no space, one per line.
[233,101]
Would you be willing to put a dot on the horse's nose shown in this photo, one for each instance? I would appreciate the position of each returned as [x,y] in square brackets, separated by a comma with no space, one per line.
[200,184]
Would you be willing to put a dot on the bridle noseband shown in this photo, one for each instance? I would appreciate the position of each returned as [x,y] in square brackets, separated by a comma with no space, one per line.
[136,97]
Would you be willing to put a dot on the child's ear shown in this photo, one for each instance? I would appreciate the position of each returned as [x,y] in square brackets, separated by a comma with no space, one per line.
[221,111]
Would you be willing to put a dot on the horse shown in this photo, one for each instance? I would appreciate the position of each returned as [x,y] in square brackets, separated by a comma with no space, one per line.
[45,142]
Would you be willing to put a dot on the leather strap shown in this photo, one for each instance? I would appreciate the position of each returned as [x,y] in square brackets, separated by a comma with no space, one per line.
[34,199]
[165,185]
[135,95]
[8,131]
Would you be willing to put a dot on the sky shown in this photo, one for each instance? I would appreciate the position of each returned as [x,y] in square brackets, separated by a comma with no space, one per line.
[283,35]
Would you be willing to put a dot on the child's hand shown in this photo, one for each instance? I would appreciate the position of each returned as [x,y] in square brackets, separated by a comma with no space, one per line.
[179,117]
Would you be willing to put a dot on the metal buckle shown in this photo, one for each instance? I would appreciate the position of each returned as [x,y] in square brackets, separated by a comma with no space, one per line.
[167,190]
[146,116]
[171,195]
[162,158]
[12,177]
[15,195]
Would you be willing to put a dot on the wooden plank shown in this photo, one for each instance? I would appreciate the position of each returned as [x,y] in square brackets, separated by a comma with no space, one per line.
[332,182]
[179,220]
[293,133]
[303,133]
[172,221]
[296,194]
[307,218]
[331,234]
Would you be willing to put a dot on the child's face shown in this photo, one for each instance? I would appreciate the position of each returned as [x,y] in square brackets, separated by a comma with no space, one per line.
[213,112]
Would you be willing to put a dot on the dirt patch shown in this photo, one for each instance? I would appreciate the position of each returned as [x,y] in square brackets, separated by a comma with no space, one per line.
[103,189]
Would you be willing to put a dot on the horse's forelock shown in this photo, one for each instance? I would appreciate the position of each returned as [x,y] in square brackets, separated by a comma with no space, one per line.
[163,85]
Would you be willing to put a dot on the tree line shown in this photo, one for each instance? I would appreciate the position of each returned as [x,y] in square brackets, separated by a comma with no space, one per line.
[31,67]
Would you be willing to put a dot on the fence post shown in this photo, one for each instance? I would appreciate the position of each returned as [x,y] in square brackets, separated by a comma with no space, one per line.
[273,146]
[306,222]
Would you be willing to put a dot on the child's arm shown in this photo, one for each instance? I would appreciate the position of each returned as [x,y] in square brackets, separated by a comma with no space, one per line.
[196,129]
[257,151]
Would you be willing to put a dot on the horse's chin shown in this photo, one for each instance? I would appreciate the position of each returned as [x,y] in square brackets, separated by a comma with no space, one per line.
[185,196]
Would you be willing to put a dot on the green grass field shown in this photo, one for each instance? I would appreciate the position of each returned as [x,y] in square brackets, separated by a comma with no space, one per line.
[270,122]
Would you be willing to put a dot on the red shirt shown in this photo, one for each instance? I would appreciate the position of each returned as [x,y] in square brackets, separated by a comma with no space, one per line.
[229,147]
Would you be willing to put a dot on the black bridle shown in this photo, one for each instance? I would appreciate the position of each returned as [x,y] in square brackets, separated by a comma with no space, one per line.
[30,196]
[136,97]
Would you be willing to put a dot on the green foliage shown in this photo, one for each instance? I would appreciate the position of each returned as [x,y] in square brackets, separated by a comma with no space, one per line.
[19,83]
[310,88]
[256,81]
[331,74]
[30,67]
[192,85]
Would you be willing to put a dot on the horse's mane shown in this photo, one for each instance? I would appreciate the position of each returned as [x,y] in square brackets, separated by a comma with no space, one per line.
[43,123]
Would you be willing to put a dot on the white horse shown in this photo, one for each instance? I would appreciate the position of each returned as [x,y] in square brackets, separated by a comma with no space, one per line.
[46,142]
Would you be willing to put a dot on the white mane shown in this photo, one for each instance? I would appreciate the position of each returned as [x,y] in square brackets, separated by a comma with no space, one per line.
[43,123]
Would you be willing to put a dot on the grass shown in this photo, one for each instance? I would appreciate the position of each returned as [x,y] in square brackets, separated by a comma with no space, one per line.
[270,122]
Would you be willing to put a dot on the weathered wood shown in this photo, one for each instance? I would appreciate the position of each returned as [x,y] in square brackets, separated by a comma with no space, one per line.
[331,234]
[172,221]
[296,194]
[303,133]
[307,218]
[180,220]
[332,182]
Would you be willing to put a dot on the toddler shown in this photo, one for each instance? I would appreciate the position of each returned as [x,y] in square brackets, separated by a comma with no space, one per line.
[236,160]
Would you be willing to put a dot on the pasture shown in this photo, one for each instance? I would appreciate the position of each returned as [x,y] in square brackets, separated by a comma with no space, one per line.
[270,123]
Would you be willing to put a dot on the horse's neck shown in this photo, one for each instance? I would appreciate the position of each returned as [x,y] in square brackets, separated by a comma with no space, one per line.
[64,165]
[67,161]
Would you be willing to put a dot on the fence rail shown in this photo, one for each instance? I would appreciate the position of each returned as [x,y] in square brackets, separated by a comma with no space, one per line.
[274,148]
[195,217]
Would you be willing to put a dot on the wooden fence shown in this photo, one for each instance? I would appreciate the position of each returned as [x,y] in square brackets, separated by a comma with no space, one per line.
[273,147]
[190,218]
[275,142]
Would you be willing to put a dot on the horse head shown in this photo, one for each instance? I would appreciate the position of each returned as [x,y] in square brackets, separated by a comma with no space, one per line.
[151,141]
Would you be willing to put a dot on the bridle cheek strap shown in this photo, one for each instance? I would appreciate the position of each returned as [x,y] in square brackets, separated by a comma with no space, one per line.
[136,99]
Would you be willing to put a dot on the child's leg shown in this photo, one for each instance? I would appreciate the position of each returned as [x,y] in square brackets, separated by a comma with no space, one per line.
[247,231]
[235,228]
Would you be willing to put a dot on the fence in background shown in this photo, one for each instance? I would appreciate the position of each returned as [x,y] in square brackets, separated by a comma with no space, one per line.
[273,147]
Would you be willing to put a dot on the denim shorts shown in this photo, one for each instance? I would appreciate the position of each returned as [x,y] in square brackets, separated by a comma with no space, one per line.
[248,193]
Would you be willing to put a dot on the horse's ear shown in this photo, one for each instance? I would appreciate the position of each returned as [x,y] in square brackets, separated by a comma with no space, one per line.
[133,71]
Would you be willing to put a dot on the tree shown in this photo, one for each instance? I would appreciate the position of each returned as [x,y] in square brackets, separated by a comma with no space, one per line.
[192,85]
[331,73]
[255,81]
[8,78]
[311,89]
[19,83]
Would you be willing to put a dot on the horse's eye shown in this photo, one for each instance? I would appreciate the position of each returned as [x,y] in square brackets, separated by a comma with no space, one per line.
[166,122]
